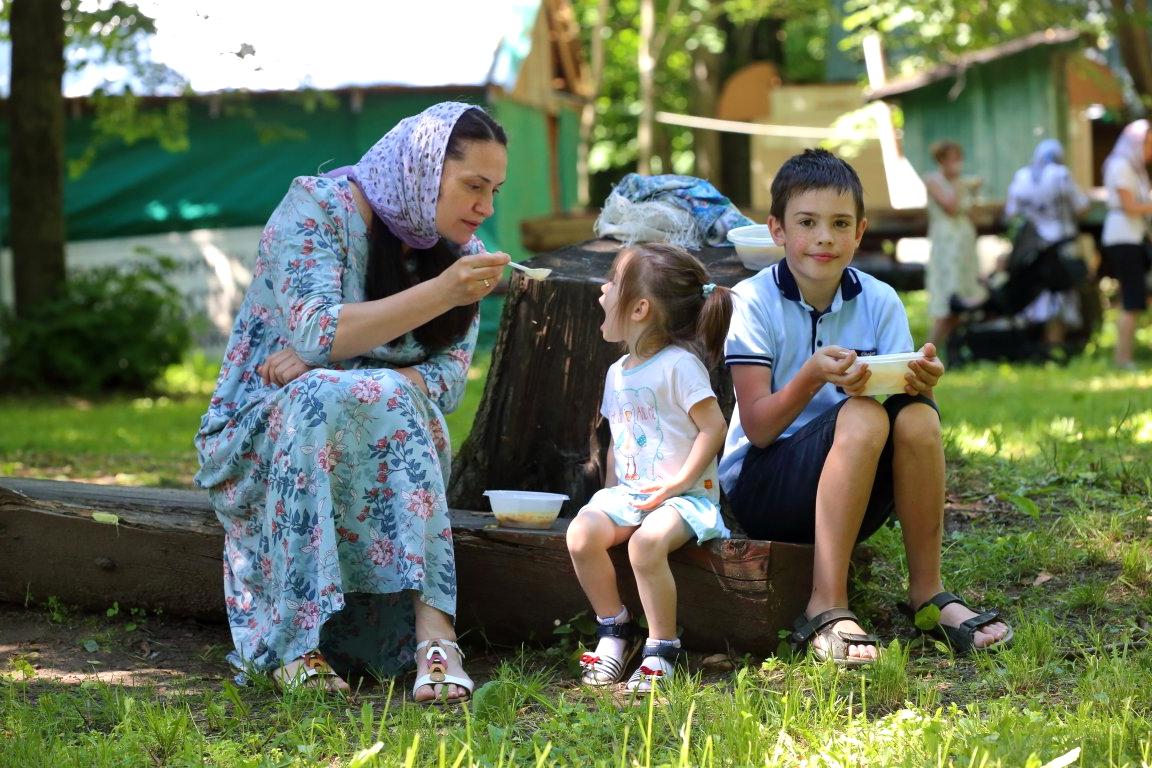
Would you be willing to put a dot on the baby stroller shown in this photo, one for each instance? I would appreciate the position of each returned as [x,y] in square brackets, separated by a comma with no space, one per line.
[1002,327]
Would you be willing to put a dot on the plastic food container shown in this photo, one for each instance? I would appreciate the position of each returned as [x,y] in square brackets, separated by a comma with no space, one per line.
[755,247]
[887,372]
[525,509]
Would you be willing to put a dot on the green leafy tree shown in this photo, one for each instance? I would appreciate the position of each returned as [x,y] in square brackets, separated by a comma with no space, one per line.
[925,32]
[717,37]
[694,45]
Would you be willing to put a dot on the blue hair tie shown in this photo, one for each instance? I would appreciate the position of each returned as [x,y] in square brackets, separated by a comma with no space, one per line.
[708,288]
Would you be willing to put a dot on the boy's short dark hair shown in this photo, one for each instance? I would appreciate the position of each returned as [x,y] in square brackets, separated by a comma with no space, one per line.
[814,169]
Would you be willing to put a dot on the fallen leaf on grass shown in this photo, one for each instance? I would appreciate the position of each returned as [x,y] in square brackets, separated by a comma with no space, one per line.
[718,662]
[1042,578]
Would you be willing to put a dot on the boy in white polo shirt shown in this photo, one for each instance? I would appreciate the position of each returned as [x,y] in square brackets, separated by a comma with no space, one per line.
[807,459]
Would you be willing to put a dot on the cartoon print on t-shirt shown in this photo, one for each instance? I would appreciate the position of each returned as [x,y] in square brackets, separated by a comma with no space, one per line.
[638,441]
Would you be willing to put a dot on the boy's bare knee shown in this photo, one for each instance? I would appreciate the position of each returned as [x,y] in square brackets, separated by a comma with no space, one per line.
[918,424]
[862,424]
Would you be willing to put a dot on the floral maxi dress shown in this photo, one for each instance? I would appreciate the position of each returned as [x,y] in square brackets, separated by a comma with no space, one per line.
[331,489]
[953,267]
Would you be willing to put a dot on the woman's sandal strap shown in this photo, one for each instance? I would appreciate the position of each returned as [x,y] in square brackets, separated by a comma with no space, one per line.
[805,629]
[443,643]
[662,649]
[312,665]
[438,674]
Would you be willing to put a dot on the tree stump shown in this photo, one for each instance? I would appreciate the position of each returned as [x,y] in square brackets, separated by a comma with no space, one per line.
[539,425]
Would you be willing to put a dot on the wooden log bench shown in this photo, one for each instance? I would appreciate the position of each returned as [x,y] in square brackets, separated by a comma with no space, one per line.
[92,545]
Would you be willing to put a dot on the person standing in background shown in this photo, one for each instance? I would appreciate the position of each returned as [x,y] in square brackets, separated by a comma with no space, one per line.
[1045,194]
[1123,240]
[953,270]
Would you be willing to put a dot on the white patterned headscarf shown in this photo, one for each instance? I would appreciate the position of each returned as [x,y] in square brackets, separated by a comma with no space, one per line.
[1130,149]
[400,174]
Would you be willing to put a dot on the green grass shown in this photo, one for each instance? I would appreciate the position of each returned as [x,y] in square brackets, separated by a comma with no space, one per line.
[139,440]
[1048,520]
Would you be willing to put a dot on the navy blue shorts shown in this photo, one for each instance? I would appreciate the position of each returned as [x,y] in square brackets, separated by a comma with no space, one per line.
[775,495]
[1128,264]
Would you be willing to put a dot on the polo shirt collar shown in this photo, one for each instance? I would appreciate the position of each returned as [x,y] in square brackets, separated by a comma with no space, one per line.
[850,286]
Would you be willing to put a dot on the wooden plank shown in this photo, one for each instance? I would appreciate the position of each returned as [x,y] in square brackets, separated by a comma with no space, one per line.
[164,551]
[731,595]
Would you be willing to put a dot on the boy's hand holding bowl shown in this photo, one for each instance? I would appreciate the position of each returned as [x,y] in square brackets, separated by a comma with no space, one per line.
[913,373]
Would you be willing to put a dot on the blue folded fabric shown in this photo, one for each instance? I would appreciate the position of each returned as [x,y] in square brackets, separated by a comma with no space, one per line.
[713,212]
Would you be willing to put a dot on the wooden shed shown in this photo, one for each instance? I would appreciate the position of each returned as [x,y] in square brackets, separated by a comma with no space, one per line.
[998,103]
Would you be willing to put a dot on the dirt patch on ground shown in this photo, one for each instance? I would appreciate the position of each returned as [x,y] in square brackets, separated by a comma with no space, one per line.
[65,647]
[50,647]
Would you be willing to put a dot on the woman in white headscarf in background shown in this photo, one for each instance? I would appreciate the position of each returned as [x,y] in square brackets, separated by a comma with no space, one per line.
[1044,193]
[1124,253]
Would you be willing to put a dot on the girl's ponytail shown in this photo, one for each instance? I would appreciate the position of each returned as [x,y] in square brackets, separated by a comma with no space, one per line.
[689,309]
[712,323]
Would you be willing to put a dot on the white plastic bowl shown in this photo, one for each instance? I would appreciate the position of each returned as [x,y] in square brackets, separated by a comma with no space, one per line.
[525,509]
[755,246]
[887,372]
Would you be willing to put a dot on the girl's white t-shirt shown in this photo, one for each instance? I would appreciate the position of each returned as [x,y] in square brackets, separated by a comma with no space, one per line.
[1119,227]
[647,409]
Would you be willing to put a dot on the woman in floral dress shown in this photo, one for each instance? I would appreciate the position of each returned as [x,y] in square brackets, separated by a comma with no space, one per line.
[324,449]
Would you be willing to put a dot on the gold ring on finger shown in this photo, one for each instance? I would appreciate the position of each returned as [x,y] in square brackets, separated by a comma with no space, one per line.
[487,283]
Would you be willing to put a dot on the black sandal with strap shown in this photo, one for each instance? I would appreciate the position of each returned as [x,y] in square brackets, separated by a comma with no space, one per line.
[961,639]
[805,629]
[607,670]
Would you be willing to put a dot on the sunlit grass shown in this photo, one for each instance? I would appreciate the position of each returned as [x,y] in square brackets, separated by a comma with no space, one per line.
[1048,522]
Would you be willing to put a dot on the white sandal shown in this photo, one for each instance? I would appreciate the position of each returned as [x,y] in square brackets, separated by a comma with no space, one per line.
[659,663]
[437,673]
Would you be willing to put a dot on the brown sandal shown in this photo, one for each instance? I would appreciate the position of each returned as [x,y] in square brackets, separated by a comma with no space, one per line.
[309,671]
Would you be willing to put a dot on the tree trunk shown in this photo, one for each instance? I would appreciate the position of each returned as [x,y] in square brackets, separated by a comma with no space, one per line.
[538,426]
[588,112]
[705,92]
[36,181]
[1135,40]
[647,72]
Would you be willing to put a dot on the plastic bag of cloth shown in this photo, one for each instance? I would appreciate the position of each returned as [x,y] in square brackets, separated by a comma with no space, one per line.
[646,222]
[710,212]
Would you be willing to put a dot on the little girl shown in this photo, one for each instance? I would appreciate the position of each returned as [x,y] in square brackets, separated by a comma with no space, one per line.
[661,489]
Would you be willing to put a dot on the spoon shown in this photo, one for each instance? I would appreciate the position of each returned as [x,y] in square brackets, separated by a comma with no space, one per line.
[536,273]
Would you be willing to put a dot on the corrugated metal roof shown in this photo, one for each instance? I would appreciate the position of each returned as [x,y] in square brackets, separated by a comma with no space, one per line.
[984,56]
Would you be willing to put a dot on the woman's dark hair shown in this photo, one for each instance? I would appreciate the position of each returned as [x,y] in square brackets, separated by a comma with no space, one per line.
[392,270]
[687,308]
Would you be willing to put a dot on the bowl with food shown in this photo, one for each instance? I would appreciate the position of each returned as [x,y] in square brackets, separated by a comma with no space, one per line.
[888,372]
[755,247]
[525,509]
